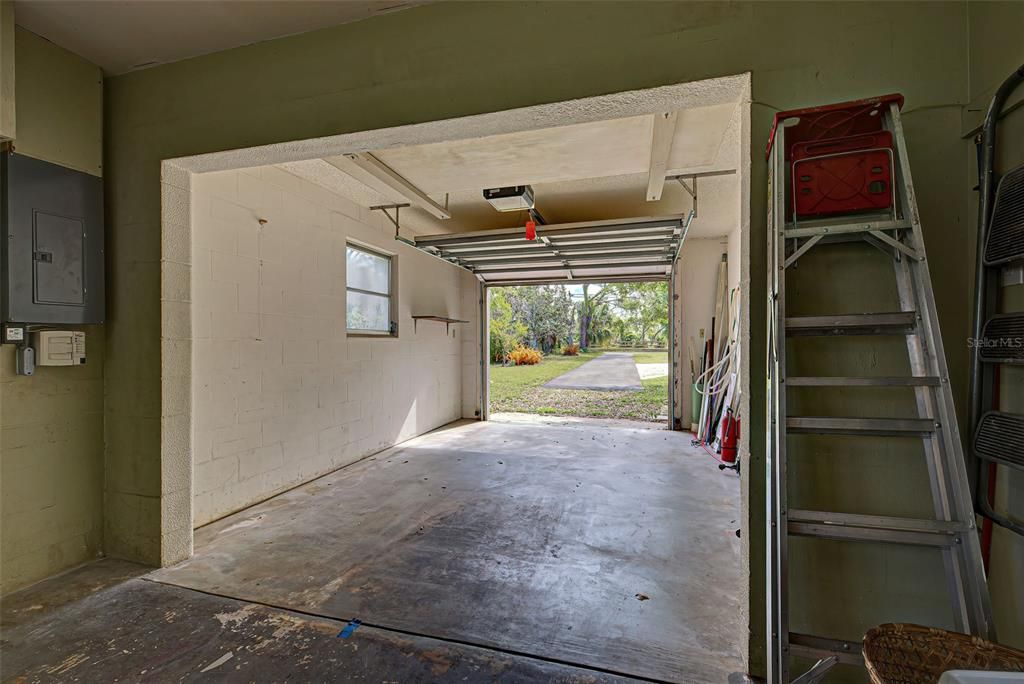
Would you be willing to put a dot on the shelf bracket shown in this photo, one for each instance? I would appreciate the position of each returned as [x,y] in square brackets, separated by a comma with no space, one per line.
[691,191]
[383,208]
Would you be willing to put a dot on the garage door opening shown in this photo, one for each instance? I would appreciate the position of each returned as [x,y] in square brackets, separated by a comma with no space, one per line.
[334,346]
[582,350]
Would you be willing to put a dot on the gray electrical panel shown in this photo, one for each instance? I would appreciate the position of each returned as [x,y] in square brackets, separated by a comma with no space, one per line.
[52,250]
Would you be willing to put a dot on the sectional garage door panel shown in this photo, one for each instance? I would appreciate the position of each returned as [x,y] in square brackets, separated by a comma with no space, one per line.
[638,248]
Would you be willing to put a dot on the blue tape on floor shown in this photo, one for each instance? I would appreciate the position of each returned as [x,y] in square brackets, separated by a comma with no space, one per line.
[349,628]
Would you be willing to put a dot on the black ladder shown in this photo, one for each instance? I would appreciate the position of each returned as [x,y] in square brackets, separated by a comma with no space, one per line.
[998,338]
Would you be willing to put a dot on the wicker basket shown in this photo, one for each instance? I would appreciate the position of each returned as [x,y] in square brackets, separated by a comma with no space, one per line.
[912,654]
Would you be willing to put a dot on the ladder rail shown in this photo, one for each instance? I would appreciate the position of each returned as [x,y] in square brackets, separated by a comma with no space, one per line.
[977,603]
[938,478]
[778,528]
[920,363]
[923,353]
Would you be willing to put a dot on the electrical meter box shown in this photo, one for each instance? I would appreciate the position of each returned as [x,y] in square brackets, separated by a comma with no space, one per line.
[60,348]
[51,219]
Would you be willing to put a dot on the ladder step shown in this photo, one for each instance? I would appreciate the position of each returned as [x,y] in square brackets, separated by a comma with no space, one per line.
[894,323]
[803,230]
[1005,241]
[847,381]
[815,647]
[1000,438]
[886,427]
[1001,339]
[874,528]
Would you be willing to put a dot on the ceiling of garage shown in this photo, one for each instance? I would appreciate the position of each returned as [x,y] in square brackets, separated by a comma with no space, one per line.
[593,171]
[582,172]
[592,150]
[125,35]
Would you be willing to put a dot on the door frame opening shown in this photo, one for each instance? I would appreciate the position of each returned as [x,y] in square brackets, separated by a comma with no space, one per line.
[176,341]
[485,337]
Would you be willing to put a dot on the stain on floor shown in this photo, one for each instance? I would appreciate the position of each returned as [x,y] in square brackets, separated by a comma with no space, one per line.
[141,631]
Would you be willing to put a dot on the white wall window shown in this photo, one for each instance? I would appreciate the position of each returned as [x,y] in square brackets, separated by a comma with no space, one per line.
[369,298]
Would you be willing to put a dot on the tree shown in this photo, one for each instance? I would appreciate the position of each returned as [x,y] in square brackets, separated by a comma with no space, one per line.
[506,331]
[644,308]
[545,316]
[546,311]
[538,316]
[595,316]
[600,323]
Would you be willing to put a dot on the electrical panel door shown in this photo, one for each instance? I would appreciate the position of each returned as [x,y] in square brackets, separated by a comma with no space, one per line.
[52,225]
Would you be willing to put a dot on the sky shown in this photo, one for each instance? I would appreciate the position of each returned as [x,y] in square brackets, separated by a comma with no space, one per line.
[576,290]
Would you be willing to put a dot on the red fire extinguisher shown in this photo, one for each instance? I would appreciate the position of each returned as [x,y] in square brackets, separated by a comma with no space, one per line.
[730,437]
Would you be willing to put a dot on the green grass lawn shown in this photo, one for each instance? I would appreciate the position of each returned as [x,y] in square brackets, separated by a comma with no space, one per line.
[651,357]
[520,389]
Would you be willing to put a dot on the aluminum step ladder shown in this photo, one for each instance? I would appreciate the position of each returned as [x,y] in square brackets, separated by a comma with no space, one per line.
[953,528]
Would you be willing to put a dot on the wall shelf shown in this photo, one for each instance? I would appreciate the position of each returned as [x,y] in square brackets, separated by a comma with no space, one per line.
[448,322]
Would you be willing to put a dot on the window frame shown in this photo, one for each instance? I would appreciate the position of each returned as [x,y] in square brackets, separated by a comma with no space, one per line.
[392,330]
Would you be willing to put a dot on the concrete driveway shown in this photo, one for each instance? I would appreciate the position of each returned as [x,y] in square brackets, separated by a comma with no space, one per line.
[610,372]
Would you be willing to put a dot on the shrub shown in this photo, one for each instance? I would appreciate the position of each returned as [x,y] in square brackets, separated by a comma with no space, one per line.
[502,344]
[524,356]
[570,350]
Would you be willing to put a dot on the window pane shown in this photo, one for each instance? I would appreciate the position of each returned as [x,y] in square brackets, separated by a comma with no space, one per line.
[368,312]
[367,271]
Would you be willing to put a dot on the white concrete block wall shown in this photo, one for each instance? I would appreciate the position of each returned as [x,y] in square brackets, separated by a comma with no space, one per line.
[281,393]
[696,282]
[734,250]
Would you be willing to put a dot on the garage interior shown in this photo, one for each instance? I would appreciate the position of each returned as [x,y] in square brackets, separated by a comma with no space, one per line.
[239,482]
[493,523]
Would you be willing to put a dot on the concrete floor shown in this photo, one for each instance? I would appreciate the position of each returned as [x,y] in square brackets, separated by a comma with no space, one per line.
[141,631]
[488,551]
[575,421]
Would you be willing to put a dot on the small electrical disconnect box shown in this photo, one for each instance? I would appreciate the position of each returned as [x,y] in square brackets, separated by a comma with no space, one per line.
[60,348]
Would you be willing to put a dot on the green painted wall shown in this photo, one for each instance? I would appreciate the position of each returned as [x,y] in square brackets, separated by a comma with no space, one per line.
[51,424]
[996,50]
[454,59]
[60,105]
[7,111]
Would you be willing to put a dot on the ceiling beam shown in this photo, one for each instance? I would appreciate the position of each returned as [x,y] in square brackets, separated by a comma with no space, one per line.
[661,146]
[371,171]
